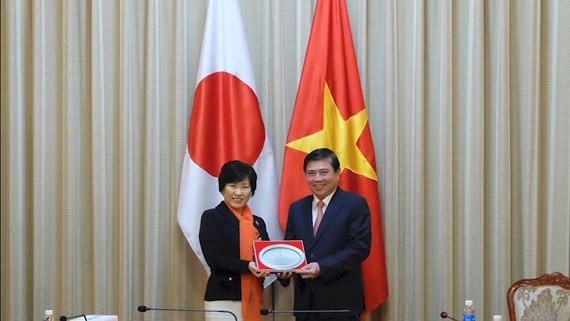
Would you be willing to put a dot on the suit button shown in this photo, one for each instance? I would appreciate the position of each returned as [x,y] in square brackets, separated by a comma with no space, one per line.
[230,278]
[312,256]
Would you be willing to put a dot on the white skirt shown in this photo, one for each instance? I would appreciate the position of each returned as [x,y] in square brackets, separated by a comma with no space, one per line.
[232,306]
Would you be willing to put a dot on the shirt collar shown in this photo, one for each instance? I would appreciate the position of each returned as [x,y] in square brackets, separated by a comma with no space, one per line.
[326,200]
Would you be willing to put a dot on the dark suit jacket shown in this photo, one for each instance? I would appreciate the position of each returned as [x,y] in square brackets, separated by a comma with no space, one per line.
[219,239]
[341,244]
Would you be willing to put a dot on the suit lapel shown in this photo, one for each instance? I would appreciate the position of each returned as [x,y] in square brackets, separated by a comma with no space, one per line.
[228,216]
[307,220]
[332,210]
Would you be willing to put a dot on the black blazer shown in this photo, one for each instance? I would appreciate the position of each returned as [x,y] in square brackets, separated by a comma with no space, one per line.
[341,244]
[219,239]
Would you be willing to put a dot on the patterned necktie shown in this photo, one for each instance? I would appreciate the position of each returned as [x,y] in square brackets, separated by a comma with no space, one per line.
[320,205]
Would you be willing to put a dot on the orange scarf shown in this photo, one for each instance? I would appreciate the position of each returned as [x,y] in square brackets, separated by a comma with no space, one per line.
[251,290]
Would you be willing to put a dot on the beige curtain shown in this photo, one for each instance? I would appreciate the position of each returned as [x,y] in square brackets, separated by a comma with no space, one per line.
[469,107]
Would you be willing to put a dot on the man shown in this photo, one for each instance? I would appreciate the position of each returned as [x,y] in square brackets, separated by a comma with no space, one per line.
[332,279]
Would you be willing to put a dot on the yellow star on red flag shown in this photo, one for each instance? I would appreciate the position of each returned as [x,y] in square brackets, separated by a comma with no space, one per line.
[339,135]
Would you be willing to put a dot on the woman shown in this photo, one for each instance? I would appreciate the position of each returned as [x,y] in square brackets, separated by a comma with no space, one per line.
[227,233]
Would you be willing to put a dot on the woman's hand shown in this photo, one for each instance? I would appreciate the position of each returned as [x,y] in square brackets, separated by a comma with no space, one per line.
[255,271]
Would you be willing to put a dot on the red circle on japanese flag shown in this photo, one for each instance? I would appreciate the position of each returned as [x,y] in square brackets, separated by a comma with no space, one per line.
[226,123]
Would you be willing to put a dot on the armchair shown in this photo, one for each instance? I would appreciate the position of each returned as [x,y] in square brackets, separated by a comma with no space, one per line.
[546,298]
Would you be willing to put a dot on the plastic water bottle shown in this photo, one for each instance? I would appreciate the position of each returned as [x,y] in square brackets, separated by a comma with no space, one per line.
[48,315]
[469,311]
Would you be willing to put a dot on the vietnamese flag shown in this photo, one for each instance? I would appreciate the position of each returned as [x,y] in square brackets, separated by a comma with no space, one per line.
[226,124]
[330,112]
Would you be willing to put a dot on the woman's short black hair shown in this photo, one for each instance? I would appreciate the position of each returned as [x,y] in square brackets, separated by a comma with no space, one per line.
[322,153]
[236,171]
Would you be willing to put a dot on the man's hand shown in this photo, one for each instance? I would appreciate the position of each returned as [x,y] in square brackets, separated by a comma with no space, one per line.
[284,275]
[310,271]
[255,271]
[284,278]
